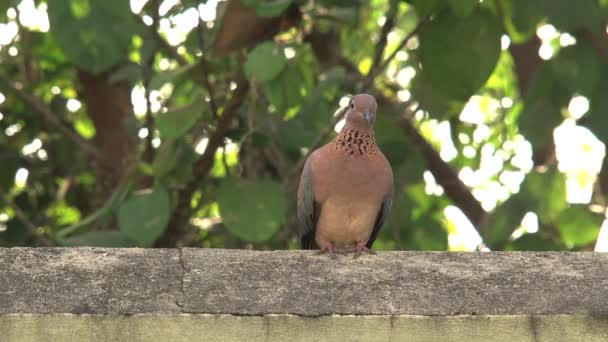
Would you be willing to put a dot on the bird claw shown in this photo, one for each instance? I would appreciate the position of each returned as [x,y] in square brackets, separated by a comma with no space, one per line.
[329,249]
[360,248]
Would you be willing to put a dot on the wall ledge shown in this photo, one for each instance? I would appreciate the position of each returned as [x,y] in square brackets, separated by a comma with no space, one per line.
[276,327]
[167,292]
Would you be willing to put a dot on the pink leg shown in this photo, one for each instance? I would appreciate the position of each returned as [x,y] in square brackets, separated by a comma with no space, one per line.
[360,249]
[329,249]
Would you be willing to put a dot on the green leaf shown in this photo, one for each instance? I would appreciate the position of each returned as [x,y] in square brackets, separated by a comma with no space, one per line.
[253,211]
[543,103]
[566,17]
[526,14]
[577,68]
[130,72]
[463,8]
[166,158]
[175,123]
[163,77]
[314,114]
[272,8]
[505,219]
[101,238]
[437,104]
[533,242]
[578,226]
[63,214]
[536,188]
[183,174]
[94,35]
[145,168]
[296,133]
[341,3]
[4,6]
[265,62]
[597,118]
[15,233]
[85,127]
[193,3]
[420,226]
[173,163]
[542,193]
[428,7]
[302,130]
[284,91]
[108,208]
[10,161]
[458,55]
[144,216]
[390,139]
[429,234]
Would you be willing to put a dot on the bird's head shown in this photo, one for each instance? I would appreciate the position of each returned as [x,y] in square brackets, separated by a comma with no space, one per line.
[361,111]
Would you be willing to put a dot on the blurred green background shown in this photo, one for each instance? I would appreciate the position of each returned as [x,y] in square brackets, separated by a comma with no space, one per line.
[166,123]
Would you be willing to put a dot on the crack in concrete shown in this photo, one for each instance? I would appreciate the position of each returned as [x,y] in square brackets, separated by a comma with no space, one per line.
[534,328]
[182,274]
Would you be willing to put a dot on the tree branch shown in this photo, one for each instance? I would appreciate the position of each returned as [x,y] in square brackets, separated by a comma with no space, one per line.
[27,65]
[446,176]
[205,70]
[389,24]
[51,118]
[109,108]
[527,62]
[21,216]
[376,71]
[204,165]
[182,61]
[148,69]
[201,168]
[164,45]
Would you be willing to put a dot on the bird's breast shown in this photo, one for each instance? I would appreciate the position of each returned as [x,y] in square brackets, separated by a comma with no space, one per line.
[350,193]
[351,177]
[345,222]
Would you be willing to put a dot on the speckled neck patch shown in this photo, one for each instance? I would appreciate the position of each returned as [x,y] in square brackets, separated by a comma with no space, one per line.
[356,142]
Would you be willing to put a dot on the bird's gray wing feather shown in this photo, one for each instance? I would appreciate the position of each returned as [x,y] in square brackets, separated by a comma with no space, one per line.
[385,209]
[308,208]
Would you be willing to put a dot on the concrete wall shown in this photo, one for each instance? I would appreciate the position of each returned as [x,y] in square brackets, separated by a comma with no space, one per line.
[93,294]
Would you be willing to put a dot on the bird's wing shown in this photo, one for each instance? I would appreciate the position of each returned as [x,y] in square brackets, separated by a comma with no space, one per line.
[308,208]
[385,208]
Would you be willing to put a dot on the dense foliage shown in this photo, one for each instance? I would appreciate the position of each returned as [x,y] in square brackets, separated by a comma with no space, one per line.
[186,123]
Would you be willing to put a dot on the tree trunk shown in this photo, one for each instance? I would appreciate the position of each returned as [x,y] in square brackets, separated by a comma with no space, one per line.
[109,107]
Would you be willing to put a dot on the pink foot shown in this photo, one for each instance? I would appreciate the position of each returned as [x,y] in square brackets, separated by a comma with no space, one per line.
[360,248]
[329,249]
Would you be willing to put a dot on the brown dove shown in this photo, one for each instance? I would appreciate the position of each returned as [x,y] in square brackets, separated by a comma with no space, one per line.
[346,187]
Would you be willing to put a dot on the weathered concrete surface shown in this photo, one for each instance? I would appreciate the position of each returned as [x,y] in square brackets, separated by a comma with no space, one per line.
[131,281]
[277,328]
[395,283]
[95,294]
[89,280]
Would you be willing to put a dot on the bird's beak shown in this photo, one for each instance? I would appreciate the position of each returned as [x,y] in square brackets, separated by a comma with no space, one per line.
[369,117]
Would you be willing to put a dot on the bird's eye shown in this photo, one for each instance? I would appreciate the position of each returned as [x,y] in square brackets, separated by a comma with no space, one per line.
[352,105]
